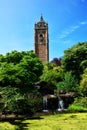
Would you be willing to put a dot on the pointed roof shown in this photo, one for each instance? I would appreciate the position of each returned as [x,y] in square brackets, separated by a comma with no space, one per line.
[41,24]
[41,19]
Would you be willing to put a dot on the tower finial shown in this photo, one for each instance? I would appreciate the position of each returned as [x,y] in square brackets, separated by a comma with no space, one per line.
[41,18]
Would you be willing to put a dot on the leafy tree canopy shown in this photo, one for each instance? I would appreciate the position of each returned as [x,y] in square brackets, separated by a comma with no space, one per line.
[10,97]
[75,59]
[51,74]
[19,69]
[83,83]
[68,84]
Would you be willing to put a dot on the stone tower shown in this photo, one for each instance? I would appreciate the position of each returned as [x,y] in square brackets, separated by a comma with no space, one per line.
[41,40]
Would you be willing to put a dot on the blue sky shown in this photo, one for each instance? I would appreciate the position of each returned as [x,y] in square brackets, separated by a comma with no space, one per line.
[67,21]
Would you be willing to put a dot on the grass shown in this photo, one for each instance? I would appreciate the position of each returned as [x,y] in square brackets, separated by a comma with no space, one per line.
[74,121]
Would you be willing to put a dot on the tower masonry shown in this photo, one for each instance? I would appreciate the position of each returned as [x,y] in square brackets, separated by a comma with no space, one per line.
[41,40]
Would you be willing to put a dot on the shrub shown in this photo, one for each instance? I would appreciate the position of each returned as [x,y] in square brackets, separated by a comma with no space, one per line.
[16,102]
[29,106]
[83,83]
[79,104]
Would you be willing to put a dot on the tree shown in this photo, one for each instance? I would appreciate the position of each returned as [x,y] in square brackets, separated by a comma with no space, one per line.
[16,102]
[83,83]
[51,75]
[56,61]
[10,97]
[20,70]
[68,84]
[75,59]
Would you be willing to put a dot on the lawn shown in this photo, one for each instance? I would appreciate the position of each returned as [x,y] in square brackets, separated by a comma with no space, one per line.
[74,121]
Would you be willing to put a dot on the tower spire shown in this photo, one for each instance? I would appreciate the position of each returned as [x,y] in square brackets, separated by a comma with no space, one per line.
[41,18]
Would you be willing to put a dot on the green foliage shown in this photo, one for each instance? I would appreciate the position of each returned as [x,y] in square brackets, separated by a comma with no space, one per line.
[7,74]
[35,104]
[83,83]
[68,84]
[18,72]
[51,74]
[19,69]
[29,106]
[13,57]
[15,101]
[80,104]
[10,97]
[75,59]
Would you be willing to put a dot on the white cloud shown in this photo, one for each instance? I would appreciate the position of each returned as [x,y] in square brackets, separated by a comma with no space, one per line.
[83,22]
[71,29]
[68,31]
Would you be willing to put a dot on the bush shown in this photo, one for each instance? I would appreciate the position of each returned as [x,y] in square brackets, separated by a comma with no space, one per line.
[35,104]
[79,104]
[14,101]
[83,83]
[29,106]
